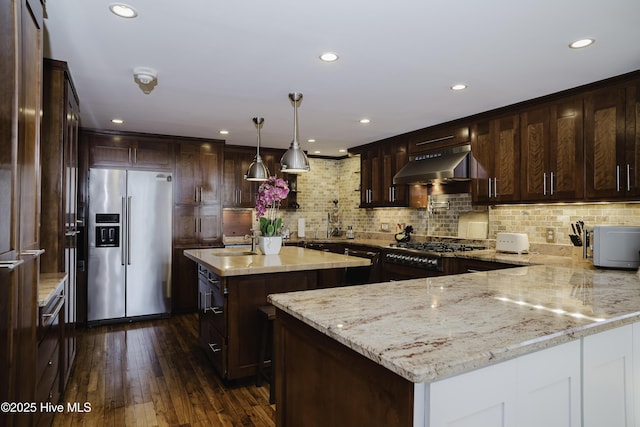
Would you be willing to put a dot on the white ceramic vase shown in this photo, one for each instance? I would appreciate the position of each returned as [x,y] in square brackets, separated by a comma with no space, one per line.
[270,245]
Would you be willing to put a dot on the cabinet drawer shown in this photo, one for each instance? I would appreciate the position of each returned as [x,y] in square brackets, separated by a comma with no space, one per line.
[214,346]
[48,375]
[211,304]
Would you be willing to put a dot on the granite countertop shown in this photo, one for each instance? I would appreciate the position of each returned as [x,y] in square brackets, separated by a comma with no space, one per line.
[235,261]
[49,285]
[429,329]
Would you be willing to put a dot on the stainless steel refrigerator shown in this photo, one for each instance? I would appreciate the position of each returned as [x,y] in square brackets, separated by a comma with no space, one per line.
[129,237]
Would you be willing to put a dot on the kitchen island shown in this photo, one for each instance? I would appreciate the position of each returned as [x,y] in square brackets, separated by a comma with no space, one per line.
[234,282]
[535,345]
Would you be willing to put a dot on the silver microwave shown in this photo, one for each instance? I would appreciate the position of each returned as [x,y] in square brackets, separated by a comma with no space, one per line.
[616,246]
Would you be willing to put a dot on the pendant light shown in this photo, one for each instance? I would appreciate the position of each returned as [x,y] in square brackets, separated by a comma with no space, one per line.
[257,170]
[294,159]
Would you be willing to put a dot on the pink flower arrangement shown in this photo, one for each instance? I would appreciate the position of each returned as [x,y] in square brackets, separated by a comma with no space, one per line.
[270,194]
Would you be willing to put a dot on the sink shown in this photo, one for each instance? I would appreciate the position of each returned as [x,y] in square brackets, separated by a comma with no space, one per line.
[241,253]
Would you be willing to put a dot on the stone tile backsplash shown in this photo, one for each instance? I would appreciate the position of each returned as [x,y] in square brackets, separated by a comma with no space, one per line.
[340,179]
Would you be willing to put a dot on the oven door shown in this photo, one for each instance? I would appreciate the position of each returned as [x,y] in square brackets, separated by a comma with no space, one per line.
[392,271]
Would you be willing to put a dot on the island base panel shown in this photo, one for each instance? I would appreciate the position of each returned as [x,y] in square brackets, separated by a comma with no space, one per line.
[320,382]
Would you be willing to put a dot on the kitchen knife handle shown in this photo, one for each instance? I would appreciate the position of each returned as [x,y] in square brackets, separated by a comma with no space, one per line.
[129,230]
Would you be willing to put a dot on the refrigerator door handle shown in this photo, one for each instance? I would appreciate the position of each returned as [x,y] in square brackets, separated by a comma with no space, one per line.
[129,230]
[123,254]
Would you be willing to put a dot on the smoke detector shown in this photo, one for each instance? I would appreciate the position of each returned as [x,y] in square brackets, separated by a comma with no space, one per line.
[147,78]
[145,75]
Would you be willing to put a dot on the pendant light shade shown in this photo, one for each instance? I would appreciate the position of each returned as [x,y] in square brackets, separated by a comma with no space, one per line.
[257,170]
[294,159]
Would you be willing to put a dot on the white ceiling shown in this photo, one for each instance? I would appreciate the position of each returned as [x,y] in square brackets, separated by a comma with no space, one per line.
[222,62]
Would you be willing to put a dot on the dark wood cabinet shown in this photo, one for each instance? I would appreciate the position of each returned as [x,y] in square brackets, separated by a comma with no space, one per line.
[59,177]
[198,177]
[379,163]
[197,214]
[552,158]
[228,313]
[496,167]
[238,192]
[394,157]
[612,145]
[129,150]
[371,184]
[50,366]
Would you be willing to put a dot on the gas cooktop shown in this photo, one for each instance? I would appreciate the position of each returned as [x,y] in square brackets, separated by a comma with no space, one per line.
[437,247]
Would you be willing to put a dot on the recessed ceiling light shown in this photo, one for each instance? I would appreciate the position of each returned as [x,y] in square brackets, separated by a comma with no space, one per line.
[224,132]
[365,121]
[459,86]
[579,44]
[329,57]
[117,121]
[311,140]
[123,10]
[342,150]
[316,152]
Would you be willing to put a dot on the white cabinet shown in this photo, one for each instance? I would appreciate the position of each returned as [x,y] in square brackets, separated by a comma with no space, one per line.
[485,397]
[539,389]
[607,376]
[549,387]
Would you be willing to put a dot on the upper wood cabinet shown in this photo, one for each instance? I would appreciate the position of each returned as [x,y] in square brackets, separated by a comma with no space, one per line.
[370,177]
[612,142]
[394,157]
[379,163]
[496,152]
[439,137]
[135,151]
[552,155]
[198,177]
[238,192]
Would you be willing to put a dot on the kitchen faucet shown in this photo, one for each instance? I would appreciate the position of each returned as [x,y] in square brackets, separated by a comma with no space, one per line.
[253,238]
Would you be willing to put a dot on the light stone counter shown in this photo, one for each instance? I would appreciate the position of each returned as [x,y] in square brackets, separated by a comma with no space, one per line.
[429,329]
[49,285]
[234,261]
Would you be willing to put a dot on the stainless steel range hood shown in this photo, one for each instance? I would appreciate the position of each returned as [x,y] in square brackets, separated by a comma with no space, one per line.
[447,164]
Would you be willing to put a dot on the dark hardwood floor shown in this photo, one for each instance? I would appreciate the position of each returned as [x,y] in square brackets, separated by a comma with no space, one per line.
[153,373]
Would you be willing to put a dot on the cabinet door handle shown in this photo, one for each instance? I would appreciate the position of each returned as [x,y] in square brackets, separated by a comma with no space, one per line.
[628,177]
[195,194]
[200,199]
[495,186]
[215,347]
[489,187]
[32,252]
[544,184]
[617,177]
[11,264]
[135,156]
[551,186]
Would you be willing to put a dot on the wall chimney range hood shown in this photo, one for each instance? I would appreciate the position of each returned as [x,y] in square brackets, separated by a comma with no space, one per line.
[447,164]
